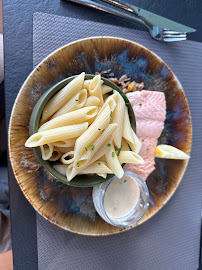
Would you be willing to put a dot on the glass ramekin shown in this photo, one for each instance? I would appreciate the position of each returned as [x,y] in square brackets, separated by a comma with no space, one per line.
[134,215]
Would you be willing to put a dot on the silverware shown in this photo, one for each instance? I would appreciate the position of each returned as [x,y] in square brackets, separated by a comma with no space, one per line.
[157,25]
[151,18]
[110,10]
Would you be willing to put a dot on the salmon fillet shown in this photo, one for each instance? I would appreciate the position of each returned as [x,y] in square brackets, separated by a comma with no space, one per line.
[150,112]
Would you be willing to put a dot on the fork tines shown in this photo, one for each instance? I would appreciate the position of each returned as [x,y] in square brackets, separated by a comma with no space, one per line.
[169,35]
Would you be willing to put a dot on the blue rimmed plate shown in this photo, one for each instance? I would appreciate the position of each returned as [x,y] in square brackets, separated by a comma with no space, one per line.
[71,208]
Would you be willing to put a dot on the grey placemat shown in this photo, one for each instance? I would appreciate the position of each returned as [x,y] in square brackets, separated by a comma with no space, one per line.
[170,240]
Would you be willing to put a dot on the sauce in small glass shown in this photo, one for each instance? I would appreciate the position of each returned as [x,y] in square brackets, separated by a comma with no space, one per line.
[121,197]
[121,202]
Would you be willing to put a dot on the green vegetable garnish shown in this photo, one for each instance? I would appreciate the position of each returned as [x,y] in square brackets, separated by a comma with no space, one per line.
[76,100]
[77,164]
[108,144]
[119,151]
[113,154]
[111,113]
[99,163]
[99,128]
[86,149]
[140,104]
[102,131]
[92,146]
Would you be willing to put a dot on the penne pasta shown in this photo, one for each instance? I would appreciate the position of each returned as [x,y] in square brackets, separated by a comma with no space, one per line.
[106,89]
[46,151]
[113,162]
[73,171]
[90,121]
[125,146]
[103,158]
[86,84]
[101,139]
[73,104]
[86,127]
[55,155]
[128,134]
[95,88]
[56,134]
[67,158]
[61,168]
[103,175]
[103,150]
[105,97]
[111,101]
[92,101]
[62,97]
[118,118]
[64,150]
[71,118]
[137,142]
[90,135]
[65,143]
[96,167]
[130,157]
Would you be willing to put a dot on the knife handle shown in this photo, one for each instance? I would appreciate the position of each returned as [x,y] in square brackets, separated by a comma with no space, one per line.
[125,6]
[110,10]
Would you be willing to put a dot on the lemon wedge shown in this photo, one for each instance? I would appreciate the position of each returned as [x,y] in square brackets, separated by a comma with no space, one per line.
[171,152]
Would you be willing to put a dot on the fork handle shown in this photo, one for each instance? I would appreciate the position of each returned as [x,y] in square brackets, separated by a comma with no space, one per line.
[110,10]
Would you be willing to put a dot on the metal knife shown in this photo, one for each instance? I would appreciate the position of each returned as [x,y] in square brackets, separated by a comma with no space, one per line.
[98,6]
[152,18]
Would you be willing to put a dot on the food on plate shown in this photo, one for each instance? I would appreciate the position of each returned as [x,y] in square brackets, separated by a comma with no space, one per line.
[129,135]
[124,83]
[121,197]
[46,151]
[130,157]
[65,143]
[75,117]
[92,101]
[150,112]
[98,167]
[113,161]
[118,117]
[95,88]
[62,97]
[56,134]
[71,105]
[170,152]
[83,127]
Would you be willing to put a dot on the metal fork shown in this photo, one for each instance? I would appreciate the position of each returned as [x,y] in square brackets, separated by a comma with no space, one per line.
[156,32]
[165,34]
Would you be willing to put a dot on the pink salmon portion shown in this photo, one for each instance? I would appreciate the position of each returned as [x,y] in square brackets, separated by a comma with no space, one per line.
[150,113]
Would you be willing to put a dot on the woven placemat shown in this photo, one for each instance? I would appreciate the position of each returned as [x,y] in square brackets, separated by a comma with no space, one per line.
[170,240]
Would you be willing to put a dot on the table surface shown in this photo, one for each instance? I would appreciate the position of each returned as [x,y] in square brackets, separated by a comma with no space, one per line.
[18,45]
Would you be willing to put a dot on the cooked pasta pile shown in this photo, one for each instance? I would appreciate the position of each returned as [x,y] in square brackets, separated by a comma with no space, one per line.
[86,130]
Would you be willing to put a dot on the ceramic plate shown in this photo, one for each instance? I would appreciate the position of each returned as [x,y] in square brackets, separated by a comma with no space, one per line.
[71,208]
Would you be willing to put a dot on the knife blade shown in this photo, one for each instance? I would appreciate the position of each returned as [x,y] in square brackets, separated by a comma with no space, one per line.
[152,18]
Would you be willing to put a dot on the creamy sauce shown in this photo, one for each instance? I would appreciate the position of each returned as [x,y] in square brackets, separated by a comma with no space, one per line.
[121,197]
